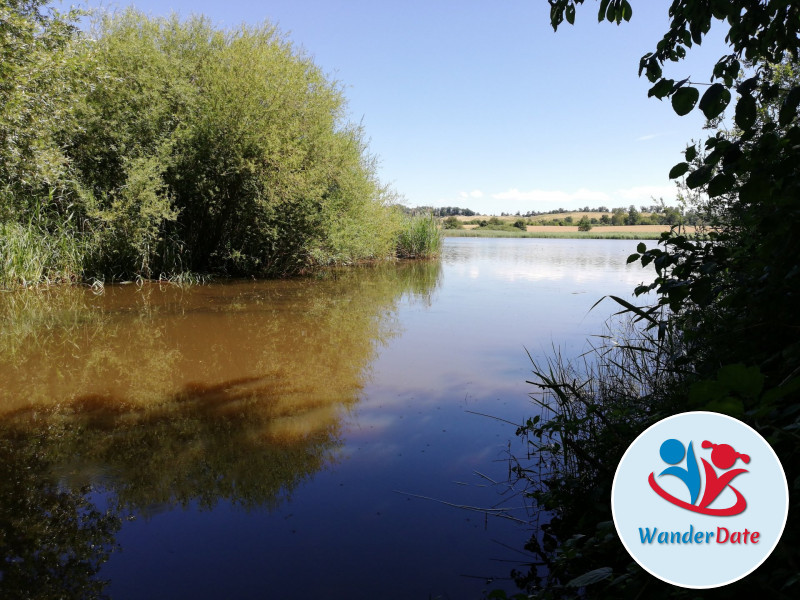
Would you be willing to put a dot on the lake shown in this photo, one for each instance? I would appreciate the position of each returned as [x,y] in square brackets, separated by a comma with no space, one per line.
[324,437]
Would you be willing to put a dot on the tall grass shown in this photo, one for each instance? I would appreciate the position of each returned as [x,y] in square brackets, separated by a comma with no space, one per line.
[32,255]
[419,237]
[589,411]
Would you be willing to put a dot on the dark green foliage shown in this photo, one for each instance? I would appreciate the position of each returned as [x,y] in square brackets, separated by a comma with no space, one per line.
[724,320]
[634,217]
[584,224]
[496,224]
[445,211]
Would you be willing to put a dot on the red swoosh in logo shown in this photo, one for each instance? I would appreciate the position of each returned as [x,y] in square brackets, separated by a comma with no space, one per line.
[737,508]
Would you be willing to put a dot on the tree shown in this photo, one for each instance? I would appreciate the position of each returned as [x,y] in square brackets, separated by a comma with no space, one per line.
[634,217]
[671,216]
[745,279]
[452,222]
[728,301]
[38,59]
[584,224]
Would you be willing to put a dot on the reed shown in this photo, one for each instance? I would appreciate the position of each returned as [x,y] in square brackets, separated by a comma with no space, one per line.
[34,255]
[419,237]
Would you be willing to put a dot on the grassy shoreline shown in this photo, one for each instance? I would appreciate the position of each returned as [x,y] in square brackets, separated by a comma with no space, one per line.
[590,235]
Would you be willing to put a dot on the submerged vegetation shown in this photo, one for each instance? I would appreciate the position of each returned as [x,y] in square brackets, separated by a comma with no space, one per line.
[151,147]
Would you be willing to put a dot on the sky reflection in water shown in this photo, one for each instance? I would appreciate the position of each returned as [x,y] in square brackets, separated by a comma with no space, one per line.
[272,439]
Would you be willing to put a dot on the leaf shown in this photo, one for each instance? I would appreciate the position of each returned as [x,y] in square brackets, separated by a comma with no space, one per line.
[591,577]
[641,248]
[786,388]
[720,184]
[601,14]
[641,314]
[684,99]
[661,89]
[570,14]
[745,112]
[699,177]
[747,86]
[649,62]
[745,381]
[789,107]
[691,153]
[727,406]
[715,100]
[678,170]
[632,258]
[705,391]
[627,11]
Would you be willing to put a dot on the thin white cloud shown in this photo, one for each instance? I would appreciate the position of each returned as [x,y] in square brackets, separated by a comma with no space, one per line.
[645,193]
[649,136]
[514,199]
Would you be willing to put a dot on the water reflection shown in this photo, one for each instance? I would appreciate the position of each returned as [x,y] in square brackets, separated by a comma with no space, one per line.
[532,259]
[161,396]
[53,539]
[259,432]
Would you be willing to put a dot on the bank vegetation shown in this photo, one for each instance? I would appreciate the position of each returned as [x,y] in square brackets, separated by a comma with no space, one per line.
[150,147]
[715,330]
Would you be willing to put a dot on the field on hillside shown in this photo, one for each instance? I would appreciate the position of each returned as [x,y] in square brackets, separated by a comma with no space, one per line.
[653,229]
[608,228]
[575,215]
[597,233]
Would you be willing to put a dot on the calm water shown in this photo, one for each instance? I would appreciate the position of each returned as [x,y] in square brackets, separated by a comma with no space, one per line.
[288,439]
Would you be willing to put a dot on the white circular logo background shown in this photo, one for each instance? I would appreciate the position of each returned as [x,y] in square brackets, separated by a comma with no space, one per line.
[674,486]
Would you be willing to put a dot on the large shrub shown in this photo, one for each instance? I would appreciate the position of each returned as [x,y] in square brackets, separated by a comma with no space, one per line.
[259,172]
[168,145]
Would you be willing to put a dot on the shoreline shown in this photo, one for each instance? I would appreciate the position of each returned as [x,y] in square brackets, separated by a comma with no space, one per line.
[589,235]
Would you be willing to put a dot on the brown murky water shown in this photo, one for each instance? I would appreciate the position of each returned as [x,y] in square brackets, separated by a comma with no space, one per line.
[274,439]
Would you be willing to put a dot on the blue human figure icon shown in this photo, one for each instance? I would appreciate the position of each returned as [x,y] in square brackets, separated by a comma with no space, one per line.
[672,452]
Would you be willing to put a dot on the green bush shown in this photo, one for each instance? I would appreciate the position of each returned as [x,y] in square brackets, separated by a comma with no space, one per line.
[172,145]
[452,223]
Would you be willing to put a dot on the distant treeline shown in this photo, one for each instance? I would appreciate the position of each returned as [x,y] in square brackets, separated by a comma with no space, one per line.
[444,211]
[654,215]
[152,147]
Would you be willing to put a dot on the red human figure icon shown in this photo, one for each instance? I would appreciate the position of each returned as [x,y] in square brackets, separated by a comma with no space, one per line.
[724,457]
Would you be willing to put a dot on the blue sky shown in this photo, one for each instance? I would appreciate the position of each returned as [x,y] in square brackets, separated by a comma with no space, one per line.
[480,104]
